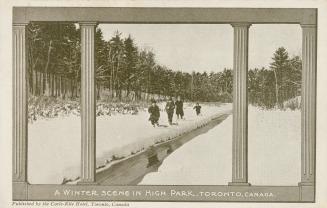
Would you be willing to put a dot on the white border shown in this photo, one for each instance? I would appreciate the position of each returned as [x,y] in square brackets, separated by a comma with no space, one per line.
[6,86]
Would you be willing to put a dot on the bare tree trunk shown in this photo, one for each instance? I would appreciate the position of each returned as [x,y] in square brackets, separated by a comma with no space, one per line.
[76,85]
[147,91]
[43,83]
[111,82]
[192,87]
[111,75]
[72,88]
[51,84]
[98,91]
[37,84]
[118,91]
[57,86]
[276,87]
[69,84]
[47,93]
[32,83]
[60,86]
[40,84]
[113,89]
[54,85]
[79,89]
[116,77]
[64,88]
[48,85]
[75,88]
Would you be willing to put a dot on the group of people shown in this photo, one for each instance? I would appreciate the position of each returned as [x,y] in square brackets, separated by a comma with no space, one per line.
[170,107]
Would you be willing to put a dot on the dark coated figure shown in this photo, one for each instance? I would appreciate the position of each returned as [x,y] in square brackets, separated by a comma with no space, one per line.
[179,108]
[154,113]
[170,106]
[197,108]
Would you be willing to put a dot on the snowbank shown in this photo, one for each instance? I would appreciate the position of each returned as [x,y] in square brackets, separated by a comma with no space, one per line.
[274,147]
[54,144]
[274,153]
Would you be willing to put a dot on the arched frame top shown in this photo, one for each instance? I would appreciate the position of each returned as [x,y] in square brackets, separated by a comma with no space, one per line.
[166,15]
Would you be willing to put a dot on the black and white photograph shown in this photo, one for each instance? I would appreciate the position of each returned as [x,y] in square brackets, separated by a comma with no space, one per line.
[155,86]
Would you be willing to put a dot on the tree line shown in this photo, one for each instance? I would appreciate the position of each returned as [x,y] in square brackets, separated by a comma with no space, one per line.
[279,83]
[127,72]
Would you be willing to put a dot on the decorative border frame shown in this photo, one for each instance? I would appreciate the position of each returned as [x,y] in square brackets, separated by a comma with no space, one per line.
[241,19]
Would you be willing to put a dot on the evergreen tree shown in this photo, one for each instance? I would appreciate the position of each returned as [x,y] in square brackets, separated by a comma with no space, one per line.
[116,59]
[280,65]
[54,69]
[130,60]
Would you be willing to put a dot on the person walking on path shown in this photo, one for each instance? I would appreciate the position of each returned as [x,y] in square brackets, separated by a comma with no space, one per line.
[170,106]
[154,113]
[197,108]
[179,108]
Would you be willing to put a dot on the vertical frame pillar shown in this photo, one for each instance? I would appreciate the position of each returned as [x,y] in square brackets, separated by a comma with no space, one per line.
[20,122]
[88,143]
[240,105]
[308,112]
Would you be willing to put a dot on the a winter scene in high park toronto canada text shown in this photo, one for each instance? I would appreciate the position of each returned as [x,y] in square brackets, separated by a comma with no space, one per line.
[164,85]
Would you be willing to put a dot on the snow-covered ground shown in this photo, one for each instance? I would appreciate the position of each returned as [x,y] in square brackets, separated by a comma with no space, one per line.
[54,145]
[274,153]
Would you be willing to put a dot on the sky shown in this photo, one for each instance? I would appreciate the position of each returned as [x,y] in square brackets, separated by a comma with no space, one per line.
[207,47]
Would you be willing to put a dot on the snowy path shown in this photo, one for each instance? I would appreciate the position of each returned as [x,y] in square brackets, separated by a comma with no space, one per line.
[274,147]
[131,171]
[54,145]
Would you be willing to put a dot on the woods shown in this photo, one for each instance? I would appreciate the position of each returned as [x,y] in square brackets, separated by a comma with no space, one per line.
[125,72]
[278,84]
[54,60]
